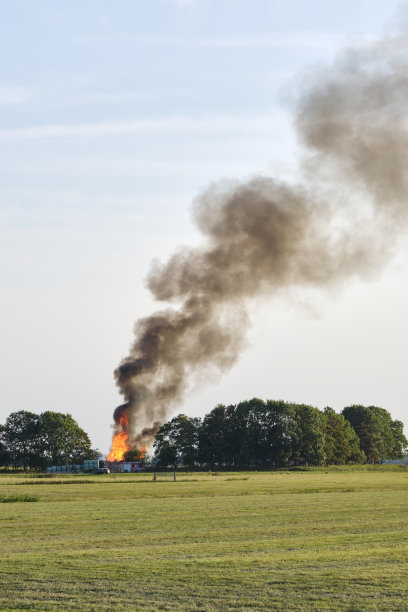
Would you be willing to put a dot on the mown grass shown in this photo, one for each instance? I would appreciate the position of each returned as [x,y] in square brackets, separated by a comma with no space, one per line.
[10,499]
[252,541]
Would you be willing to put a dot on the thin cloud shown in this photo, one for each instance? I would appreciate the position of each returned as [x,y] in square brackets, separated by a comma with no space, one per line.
[310,40]
[14,95]
[113,97]
[207,124]
[182,3]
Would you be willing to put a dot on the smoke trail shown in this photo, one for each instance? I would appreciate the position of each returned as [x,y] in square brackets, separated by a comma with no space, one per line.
[265,236]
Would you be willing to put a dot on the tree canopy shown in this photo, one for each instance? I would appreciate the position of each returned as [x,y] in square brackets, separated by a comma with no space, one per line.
[380,437]
[32,440]
[257,433]
[177,441]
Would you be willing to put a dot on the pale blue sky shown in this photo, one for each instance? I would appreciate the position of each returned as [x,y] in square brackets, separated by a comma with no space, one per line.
[114,115]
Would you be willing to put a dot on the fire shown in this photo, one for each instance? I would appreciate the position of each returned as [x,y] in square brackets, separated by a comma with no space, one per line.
[142,452]
[120,443]
[120,440]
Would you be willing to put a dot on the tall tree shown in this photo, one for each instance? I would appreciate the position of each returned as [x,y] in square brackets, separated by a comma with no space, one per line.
[62,440]
[177,441]
[212,437]
[234,435]
[341,441]
[37,440]
[308,437]
[280,428]
[270,425]
[361,419]
[21,438]
[5,457]
[356,455]
[380,437]
[400,443]
[253,432]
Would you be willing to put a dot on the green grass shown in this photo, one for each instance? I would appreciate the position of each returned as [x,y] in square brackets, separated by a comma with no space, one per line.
[10,499]
[334,539]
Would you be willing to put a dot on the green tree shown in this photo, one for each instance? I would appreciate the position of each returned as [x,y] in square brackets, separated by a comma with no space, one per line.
[363,423]
[62,440]
[134,455]
[253,432]
[380,437]
[356,455]
[269,426]
[5,457]
[137,454]
[308,446]
[37,440]
[276,433]
[277,427]
[237,440]
[335,441]
[212,437]
[21,438]
[400,443]
[166,454]
[341,441]
[177,441]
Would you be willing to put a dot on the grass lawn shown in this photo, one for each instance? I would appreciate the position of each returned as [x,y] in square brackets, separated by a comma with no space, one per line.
[313,540]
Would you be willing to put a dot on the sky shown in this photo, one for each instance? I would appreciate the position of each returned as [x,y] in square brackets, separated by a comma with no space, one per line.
[113,118]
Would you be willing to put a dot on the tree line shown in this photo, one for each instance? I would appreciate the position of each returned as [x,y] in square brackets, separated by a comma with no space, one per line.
[259,433]
[35,441]
[253,433]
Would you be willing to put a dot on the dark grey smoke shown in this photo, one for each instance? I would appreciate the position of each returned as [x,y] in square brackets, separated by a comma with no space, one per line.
[265,236]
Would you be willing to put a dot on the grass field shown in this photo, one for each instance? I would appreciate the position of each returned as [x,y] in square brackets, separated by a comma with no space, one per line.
[331,540]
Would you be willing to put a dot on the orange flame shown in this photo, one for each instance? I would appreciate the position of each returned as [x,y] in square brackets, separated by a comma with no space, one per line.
[142,452]
[120,441]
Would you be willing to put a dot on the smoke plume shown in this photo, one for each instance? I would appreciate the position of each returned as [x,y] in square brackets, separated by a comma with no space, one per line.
[265,236]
